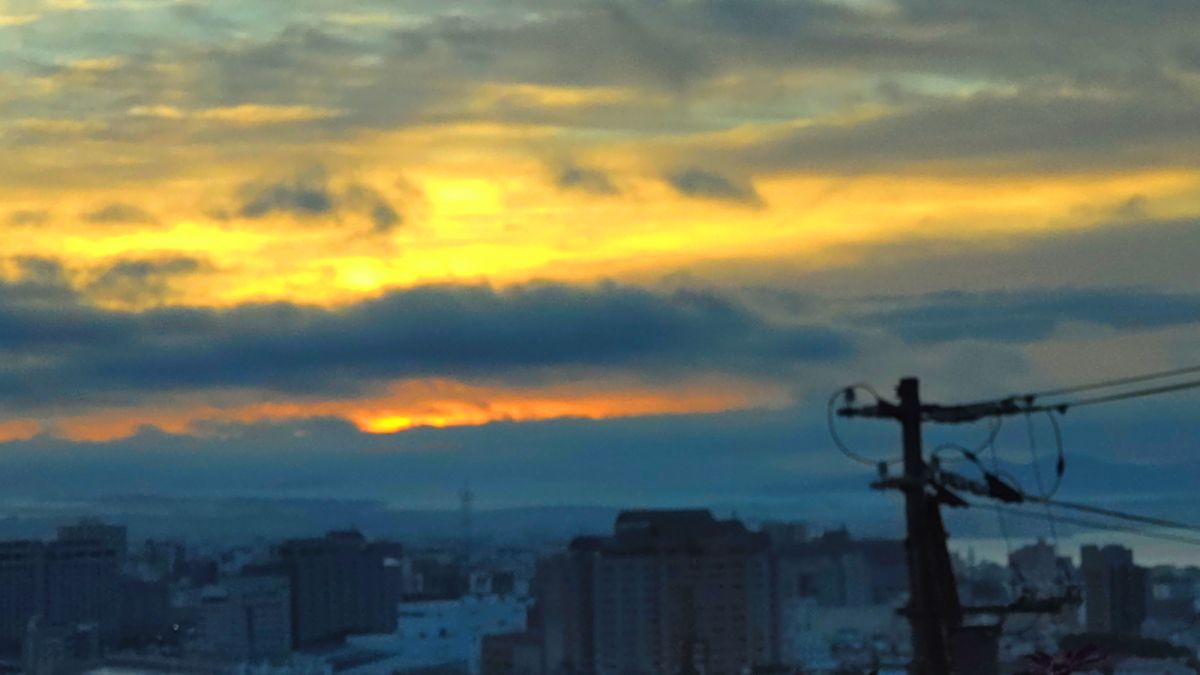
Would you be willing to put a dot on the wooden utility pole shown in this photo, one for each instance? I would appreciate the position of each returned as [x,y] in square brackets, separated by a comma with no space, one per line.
[933,609]
[928,591]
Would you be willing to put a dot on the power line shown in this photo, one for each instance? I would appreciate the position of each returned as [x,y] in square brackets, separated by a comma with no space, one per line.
[1019,495]
[1106,384]
[1037,473]
[1111,513]
[1137,393]
[1094,524]
[830,410]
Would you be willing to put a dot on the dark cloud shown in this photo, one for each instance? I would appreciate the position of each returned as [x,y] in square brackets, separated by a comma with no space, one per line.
[908,264]
[311,195]
[140,281]
[306,195]
[38,280]
[589,180]
[121,213]
[1136,125]
[29,217]
[1030,316]
[1124,61]
[765,460]
[670,457]
[374,204]
[453,331]
[695,182]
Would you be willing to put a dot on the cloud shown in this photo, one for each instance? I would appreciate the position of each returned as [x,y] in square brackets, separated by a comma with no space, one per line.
[121,213]
[1134,125]
[445,331]
[7,20]
[25,217]
[589,180]
[306,195]
[1032,315]
[140,281]
[764,458]
[311,195]
[246,114]
[673,457]
[695,182]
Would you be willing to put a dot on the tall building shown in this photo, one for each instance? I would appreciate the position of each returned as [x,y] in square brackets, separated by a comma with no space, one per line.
[1115,590]
[563,587]
[341,584]
[670,591]
[115,537]
[838,571]
[75,579]
[22,570]
[247,619]
[83,584]
[145,610]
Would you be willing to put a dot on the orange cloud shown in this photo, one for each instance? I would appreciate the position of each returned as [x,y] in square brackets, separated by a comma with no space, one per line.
[418,403]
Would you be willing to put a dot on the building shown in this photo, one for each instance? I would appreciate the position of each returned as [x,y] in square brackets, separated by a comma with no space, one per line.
[76,579]
[145,610]
[247,619]
[446,633]
[669,591]
[1039,567]
[785,533]
[563,587]
[429,577]
[60,649]
[83,585]
[512,654]
[341,584]
[838,571]
[22,570]
[835,579]
[1115,590]
[115,537]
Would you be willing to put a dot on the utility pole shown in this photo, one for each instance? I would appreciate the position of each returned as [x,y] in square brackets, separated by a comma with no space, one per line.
[929,592]
[933,609]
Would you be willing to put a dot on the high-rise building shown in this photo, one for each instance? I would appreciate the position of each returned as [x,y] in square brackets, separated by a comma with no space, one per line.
[247,619]
[83,584]
[115,537]
[838,571]
[75,579]
[22,571]
[667,592]
[1115,590]
[563,588]
[145,610]
[341,584]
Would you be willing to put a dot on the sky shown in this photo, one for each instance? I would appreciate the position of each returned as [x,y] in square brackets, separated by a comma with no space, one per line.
[579,251]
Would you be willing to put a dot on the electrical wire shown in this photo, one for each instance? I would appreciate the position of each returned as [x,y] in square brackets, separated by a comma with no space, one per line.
[1060,465]
[1033,457]
[1094,524]
[1137,393]
[996,473]
[1106,384]
[1037,474]
[837,439]
[1015,574]
[1119,515]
